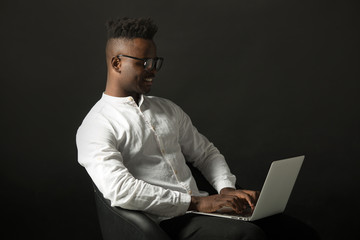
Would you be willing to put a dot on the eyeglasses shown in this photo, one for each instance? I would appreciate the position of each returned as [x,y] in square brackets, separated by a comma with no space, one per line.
[149,63]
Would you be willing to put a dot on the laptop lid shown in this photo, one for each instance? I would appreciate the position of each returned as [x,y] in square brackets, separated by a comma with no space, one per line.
[277,188]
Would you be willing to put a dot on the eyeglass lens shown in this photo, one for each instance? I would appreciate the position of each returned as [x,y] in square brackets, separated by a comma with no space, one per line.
[152,63]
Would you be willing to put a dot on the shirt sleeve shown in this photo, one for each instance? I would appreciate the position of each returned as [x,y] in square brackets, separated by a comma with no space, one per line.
[97,152]
[198,150]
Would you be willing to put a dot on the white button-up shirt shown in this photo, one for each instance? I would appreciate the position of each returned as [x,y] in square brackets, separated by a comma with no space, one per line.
[135,155]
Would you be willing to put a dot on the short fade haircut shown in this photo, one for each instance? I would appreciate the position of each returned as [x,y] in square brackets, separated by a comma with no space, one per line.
[130,28]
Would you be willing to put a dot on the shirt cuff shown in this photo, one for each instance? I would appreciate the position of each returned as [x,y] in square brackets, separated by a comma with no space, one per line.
[184,203]
[224,184]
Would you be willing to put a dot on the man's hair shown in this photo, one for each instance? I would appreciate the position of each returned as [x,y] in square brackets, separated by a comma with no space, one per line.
[130,28]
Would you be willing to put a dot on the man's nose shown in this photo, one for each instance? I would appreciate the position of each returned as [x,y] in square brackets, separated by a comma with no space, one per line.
[152,71]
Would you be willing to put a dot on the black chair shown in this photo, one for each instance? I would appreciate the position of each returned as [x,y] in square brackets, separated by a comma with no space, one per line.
[117,223]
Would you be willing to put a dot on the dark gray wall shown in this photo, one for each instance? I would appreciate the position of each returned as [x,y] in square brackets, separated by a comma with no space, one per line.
[263,80]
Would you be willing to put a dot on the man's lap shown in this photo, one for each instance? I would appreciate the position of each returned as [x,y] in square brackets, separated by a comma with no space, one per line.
[193,226]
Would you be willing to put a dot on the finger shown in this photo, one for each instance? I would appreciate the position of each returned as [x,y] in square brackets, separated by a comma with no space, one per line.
[257,194]
[250,201]
[254,195]
[235,203]
[241,203]
[231,203]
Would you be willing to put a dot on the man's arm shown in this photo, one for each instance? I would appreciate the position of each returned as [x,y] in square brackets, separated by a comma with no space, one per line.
[202,154]
[206,157]
[98,153]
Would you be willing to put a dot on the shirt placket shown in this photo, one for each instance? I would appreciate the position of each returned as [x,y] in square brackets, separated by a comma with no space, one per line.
[161,146]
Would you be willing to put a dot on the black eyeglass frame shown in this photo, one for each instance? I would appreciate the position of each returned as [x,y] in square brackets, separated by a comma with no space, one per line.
[145,60]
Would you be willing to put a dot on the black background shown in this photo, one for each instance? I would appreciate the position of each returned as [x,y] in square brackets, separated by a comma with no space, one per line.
[264,80]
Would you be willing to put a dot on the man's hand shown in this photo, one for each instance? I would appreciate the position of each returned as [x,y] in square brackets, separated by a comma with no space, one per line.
[249,196]
[238,200]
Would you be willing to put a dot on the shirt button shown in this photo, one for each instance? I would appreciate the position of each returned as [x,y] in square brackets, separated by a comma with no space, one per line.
[190,192]
[162,151]
[175,172]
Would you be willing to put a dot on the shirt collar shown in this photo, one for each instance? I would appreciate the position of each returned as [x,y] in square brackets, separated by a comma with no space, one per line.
[141,100]
[122,100]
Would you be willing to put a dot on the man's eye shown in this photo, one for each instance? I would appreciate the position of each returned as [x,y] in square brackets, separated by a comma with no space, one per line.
[139,63]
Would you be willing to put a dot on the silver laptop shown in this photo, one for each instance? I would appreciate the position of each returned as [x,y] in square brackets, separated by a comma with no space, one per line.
[275,192]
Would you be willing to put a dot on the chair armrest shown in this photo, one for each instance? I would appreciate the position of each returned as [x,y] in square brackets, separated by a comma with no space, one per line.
[117,223]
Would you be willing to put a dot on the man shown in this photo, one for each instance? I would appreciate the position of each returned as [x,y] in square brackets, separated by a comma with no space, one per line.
[135,147]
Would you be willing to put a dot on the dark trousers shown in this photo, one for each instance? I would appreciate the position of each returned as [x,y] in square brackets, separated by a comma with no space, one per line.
[193,226]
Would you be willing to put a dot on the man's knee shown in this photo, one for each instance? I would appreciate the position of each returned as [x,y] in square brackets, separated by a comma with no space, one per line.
[248,231]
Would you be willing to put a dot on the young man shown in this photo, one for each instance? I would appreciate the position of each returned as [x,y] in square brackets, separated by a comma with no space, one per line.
[135,147]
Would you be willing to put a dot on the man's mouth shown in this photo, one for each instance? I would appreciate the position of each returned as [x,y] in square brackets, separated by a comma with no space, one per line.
[148,79]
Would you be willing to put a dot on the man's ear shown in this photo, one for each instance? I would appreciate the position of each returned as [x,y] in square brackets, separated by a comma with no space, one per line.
[116,63]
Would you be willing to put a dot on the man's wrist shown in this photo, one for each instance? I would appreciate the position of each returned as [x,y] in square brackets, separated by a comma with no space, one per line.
[227,190]
[193,204]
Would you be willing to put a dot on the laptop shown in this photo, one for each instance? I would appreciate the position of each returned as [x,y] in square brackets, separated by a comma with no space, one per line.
[274,194]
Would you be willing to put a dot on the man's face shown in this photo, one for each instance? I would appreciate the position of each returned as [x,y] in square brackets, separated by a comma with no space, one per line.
[133,78]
